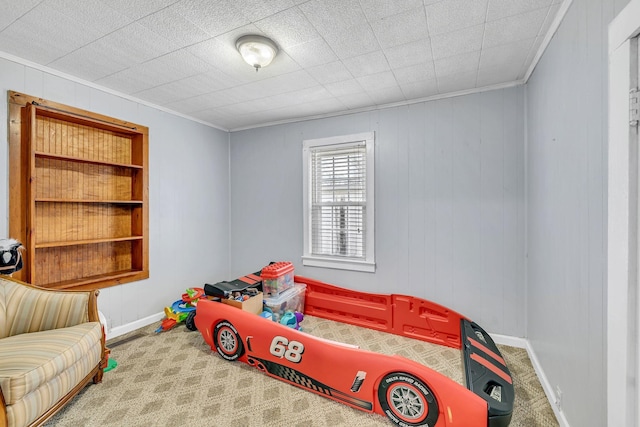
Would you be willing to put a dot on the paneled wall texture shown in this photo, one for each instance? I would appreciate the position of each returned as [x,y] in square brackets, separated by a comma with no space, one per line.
[566,214]
[449,202]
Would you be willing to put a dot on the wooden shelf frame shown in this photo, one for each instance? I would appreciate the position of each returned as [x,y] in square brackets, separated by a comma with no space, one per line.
[81,160]
[78,197]
[86,242]
[110,202]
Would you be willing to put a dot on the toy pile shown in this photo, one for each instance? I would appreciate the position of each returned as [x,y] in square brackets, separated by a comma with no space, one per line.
[182,310]
[283,301]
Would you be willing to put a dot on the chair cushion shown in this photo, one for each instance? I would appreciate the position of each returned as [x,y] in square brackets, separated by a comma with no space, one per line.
[28,361]
[36,403]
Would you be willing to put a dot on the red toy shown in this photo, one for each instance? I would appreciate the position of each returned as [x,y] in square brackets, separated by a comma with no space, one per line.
[181,310]
[405,391]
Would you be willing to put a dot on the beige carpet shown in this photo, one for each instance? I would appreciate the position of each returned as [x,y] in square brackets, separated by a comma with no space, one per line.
[174,379]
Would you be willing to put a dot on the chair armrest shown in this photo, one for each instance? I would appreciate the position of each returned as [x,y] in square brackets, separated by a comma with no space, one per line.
[33,309]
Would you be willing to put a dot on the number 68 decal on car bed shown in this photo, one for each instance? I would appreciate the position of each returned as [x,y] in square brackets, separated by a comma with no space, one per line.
[290,350]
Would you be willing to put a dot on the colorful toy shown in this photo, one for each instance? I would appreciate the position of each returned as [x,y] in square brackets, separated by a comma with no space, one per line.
[181,309]
[292,319]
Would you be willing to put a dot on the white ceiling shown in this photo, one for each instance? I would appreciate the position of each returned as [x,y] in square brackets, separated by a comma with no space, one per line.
[335,55]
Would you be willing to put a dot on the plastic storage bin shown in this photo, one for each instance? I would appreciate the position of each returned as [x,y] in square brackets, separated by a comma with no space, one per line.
[290,300]
[277,278]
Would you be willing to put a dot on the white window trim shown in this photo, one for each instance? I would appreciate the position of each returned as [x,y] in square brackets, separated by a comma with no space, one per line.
[308,259]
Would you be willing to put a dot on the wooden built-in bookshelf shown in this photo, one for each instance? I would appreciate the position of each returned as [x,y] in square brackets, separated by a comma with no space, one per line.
[78,195]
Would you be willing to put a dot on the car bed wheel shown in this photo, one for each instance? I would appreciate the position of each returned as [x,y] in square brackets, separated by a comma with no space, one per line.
[227,341]
[407,401]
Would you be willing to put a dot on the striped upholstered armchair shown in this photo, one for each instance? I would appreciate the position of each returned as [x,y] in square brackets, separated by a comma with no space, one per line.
[51,346]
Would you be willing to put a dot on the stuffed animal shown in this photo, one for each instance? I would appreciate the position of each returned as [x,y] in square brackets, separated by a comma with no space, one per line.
[10,256]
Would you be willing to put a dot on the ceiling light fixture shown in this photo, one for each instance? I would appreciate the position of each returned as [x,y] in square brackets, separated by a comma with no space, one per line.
[257,51]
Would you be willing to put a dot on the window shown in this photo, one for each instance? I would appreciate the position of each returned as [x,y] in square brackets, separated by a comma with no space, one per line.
[338,175]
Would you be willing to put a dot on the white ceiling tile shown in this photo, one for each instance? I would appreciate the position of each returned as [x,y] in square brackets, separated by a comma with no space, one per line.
[171,25]
[451,15]
[160,95]
[331,72]
[498,75]
[246,107]
[420,89]
[355,101]
[457,42]
[300,96]
[259,9]
[210,81]
[138,8]
[230,37]
[89,63]
[281,84]
[36,35]
[514,28]
[236,94]
[288,28]
[504,55]
[203,102]
[213,115]
[413,23]
[377,81]
[321,106]
[310,54]
[457,82]
[128,81]
[369,63]
[502,8]
[103,18]
[356,41]
[457,64]
[378,9]
[345,87]
[415,73]
[386,95]
[12,10]
[176,65]
[330,16]
[133,44]
[214,17]
[417,52]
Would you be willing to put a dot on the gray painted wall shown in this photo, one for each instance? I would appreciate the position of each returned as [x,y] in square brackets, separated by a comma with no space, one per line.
[449,202]
[188,192]
[566,213]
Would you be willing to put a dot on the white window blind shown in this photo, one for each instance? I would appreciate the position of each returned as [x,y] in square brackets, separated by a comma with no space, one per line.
[339,209]
[339,200]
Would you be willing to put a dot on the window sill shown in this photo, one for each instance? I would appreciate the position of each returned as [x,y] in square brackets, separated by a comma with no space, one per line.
[340,264]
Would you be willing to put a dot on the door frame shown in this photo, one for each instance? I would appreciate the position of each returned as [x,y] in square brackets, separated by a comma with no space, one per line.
[623,305]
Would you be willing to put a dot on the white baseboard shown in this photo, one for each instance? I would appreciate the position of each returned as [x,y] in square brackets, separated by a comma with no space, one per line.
[509,340]
[129,327]
[546,386]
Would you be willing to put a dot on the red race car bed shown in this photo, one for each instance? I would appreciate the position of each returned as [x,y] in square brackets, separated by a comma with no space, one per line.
[408,393]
